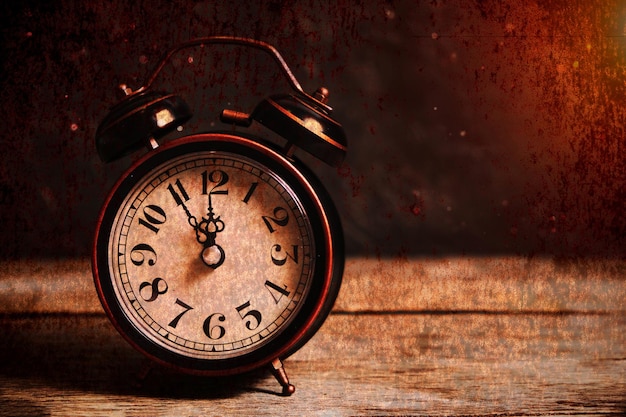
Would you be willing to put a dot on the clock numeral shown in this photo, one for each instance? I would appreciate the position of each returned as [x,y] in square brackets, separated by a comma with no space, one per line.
[186,307]
[280,218]
[252,314]
[178,198]
[154,215]
[250,192]
[276,291]
[156,289]
[276,249]
[216,331]
[218,177]
[142,252]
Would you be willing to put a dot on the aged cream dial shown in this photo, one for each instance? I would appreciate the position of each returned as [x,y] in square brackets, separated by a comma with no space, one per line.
[211,255]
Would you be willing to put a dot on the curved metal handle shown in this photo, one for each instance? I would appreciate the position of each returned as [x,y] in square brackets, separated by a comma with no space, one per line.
[263,46]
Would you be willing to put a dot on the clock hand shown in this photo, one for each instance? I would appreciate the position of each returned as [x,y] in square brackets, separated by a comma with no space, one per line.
[180,196]
[212,255]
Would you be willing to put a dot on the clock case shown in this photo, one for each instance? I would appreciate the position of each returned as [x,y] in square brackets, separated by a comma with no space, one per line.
[327,234]
[145,116]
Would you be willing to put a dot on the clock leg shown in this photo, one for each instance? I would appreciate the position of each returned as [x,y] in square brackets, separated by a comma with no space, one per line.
[278,370]
[143,374]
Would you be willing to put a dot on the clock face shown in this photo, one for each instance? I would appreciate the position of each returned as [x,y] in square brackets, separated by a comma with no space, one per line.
[210,255]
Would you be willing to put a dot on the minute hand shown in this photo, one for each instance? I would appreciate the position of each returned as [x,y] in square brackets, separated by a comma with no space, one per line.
[212,255]
[180,199]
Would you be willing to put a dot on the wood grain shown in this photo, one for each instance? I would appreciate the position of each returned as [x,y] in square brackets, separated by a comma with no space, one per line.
[448,336]
[358,365]
[436,284]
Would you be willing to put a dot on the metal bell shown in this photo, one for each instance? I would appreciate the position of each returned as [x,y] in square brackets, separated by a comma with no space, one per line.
[139,120]
[304,123]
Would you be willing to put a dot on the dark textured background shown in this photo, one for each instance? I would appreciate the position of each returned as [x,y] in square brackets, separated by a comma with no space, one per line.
[474,127]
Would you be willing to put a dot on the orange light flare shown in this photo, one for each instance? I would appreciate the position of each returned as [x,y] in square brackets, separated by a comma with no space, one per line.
[555,77]
[583,155]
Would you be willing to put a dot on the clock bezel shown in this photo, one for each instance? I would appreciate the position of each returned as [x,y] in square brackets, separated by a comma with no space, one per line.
[327,235]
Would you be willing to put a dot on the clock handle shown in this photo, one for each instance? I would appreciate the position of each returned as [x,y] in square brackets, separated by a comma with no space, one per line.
[145,116]
[303,119]
[232,40]
[278,370]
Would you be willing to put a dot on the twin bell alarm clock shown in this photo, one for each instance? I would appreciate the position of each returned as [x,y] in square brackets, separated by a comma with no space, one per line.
[219,253]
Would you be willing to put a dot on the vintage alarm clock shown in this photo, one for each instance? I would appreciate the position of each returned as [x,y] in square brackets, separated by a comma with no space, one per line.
[219,253]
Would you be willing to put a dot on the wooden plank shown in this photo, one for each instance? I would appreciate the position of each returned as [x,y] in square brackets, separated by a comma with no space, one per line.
[441,284]
[512,284]
[357,365]
[47,285]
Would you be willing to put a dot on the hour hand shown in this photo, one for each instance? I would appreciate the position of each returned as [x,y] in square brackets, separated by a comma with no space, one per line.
[207,230]
[212,255]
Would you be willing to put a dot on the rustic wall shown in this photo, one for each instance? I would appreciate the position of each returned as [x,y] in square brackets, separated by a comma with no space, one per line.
[474,126]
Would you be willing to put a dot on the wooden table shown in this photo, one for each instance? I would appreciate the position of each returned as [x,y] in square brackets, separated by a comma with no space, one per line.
[558,349]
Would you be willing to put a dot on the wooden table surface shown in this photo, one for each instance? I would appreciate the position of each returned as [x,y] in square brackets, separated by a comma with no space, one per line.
[558,349]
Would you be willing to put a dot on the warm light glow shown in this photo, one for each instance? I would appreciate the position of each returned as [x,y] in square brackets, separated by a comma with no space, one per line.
[164,117]
[313,125]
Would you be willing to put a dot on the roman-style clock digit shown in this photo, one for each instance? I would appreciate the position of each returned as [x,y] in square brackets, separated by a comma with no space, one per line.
[141,253]
[280,259]
[153,217]
[186,309]
[150,290]
[211,327]
[179,194]
[251,317]
[216,177]
[250,192]
[280,217]
[277,292]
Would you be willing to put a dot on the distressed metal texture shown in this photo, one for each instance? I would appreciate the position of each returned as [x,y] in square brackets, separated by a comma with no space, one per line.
[474,127]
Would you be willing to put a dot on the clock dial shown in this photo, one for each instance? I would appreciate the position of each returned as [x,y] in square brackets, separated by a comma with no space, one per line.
[211,255]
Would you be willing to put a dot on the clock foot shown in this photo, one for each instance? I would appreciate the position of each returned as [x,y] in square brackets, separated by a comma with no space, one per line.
[142,375]
[278,370]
